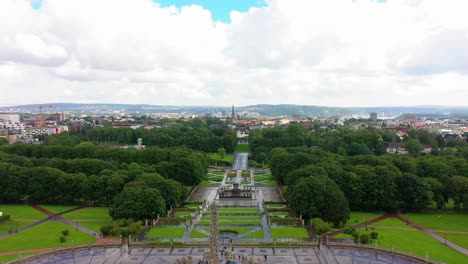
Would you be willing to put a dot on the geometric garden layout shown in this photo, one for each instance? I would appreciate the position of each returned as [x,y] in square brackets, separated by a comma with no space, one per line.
[255,226]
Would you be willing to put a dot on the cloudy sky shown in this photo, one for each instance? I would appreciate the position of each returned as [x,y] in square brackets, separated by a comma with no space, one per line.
[213,52]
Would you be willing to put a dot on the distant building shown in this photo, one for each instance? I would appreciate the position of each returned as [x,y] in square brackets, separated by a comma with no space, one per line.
[15,118]
[373,117]
[233,114]
[58,117]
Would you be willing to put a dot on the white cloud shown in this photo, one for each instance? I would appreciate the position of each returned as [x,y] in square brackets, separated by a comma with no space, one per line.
[330,52]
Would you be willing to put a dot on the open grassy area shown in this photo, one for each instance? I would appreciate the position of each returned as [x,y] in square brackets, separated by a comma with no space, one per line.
[6,225]
[392,222]
[25,212]
[266,179]
[8,258]
[45,235]
[229,223]
[256,234]
[94,225]
[89,213]
[242,148]
[58,208]
[197,234]
[280,213]
[207,182]
[418,243]
[239,230]
[158,232]
[232,217]
[234,209]
[361,217]
[440,221]
[291,232]
[459,239]
[226,158]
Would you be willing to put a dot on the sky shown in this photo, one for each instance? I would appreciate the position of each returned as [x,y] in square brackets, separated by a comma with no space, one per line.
[242,52]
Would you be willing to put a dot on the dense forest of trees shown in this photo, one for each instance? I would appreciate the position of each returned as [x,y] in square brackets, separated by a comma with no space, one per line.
[195,134]
[349,142]
[350,170]
[87,173]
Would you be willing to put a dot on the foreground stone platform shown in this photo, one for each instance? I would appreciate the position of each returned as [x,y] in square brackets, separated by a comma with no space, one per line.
[168,255]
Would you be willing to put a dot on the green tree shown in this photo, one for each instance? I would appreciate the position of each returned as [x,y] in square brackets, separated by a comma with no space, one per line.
[414,147]
[414,194]
[320,227]
[222,152]
[138,202]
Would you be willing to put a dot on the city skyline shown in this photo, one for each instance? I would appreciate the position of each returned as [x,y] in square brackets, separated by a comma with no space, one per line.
[328,53]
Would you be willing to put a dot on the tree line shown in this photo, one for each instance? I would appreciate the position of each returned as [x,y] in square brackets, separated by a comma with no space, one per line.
[347,141]
[196,134]
[41,174]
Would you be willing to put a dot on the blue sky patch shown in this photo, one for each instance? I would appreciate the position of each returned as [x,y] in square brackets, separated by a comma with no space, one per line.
[220,9]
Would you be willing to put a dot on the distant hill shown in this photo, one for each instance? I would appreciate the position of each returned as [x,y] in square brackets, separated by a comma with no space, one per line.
[263,109]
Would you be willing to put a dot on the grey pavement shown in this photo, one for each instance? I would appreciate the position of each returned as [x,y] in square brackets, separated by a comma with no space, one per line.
[305,255]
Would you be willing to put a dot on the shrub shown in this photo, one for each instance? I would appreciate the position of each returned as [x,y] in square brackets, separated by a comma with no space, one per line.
[63,239]
[355,237]
[65,232]
[349,230]
[106,229]
[364,238]
[374,235]
[4,217]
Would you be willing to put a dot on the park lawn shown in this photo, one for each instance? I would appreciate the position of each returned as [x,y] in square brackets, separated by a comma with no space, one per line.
[226,158]
[197,234]
[89,213]
[266,183]
[25,212]
[292,232]
[8,258]
[45,235]
[361,217]
[440,221]
[280,213]
[256,234]
[343,235]
[94,225]
[275,205]
[239,230]
[229,223]
[392,222]
[206,182]
[6,225]
[232,217]
[237,209]
[459,239]
[158,232]
[418,243]
[56,209]
[242,148]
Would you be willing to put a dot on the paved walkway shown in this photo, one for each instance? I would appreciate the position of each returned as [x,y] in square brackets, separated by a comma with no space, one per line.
[167,255]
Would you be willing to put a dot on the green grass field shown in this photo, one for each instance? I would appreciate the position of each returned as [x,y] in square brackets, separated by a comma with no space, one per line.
[256,234]
[392,222]
[418,243]
[8,258]
[215,156]
[45,235]
[459,239]
[94,225]
[280,213]
[232,217]
[239,230]
[158,232]
[197,234]
[237,209]
[6,225]
[24,212]
[229,223]
[440,221]
[58,208]
[265,179]
[89,213]
[361,217]
[242,148]
[291,232]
